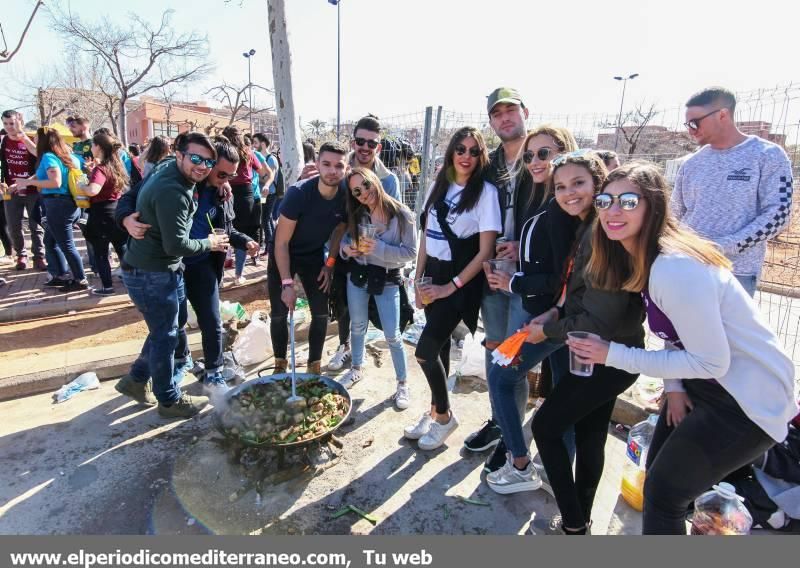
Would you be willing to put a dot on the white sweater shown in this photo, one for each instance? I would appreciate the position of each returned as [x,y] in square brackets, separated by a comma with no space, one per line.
[724,338]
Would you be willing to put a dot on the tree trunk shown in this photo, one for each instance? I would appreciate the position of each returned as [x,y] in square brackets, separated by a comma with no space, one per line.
[122,134]
[40,106]
[288,133]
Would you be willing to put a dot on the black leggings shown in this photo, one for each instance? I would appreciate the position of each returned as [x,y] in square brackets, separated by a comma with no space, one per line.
[247,211]
[585,403]
[101,231]
[4,238]
[342,311]
[433,348]
[308,270]
[715,439]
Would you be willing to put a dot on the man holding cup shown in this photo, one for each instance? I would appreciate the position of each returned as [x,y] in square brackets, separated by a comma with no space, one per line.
[152,273]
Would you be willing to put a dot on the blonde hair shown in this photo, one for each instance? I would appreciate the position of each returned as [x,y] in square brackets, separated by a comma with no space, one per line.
[611,267]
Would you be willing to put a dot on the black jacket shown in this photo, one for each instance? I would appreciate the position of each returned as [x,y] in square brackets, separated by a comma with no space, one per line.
[497,174]
[614,316]
[224,217]
[546,240]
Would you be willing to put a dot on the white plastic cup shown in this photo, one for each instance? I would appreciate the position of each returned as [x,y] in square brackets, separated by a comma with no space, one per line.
[576,367]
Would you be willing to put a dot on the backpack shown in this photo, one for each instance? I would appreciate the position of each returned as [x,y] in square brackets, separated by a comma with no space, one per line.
[75,180]
[280,183]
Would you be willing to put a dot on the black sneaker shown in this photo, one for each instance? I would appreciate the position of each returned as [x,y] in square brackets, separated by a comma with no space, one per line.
[497,459]
[103,291]
[483,439]
[56,282]
[74,286]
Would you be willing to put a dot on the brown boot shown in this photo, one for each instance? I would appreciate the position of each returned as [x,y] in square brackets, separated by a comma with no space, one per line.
[280,366]
[314,367]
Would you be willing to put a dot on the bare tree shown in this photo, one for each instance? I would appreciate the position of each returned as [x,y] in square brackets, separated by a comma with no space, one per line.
[235,99]
[168,94]
[640,117]
[5,56]
[318,127]
[139,57]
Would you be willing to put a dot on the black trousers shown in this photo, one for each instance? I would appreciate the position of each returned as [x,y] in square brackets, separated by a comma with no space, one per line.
[100,232]
[4,238]
[585,403]
[715,439]
[339,292]
[308,270]
[202,291]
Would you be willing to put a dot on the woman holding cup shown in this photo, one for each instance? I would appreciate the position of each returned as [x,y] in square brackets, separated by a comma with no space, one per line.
[729,385]
[582,403]
[545,240]
[461,222]
[380,240]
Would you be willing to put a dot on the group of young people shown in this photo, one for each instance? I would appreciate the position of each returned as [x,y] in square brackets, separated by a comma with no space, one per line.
[598,249]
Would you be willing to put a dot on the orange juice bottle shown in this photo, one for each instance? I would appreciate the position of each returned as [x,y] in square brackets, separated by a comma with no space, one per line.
[633,472]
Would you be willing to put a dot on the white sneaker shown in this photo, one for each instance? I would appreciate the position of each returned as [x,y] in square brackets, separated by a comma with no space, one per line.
[419,429]
[438,433]
[402,396]
[240,280]
[508,479]
[351,377]
[340,358]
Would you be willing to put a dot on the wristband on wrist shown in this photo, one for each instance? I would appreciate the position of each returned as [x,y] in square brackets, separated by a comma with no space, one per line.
[330,261]
[287,282]
[457,282]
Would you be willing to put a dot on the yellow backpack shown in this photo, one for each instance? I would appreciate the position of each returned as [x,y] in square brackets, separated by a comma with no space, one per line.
[76,180]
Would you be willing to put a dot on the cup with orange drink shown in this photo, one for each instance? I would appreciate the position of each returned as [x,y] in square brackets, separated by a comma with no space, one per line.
[366,233]
[420,288]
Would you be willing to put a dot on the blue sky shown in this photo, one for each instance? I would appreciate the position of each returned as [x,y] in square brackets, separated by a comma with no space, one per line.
[400,56]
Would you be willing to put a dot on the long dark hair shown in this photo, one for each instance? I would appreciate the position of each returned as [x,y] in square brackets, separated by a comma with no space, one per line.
[111,163]
[236,138]
[474,187]
[157,149]
[49,140]
[386,203]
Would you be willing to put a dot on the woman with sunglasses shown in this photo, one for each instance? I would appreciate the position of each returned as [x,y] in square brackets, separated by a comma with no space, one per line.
[246,207]
[375,270]
[461,222]
[729,385]
[545,241]
[580,403]
[53,165]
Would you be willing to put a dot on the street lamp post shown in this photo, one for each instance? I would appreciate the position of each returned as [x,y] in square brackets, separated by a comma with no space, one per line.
[338,64]
[622,102]
[248,55]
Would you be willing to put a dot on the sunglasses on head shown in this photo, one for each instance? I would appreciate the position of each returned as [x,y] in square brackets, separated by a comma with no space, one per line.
[356,191]
[542,153]
[474,151]
[372,144]
[694,124]
[627,201]
[562,159]
[197,159]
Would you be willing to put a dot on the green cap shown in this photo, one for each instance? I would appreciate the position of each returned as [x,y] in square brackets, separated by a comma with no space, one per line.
[505,95]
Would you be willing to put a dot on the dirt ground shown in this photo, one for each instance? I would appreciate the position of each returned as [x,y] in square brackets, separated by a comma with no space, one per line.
[102,326]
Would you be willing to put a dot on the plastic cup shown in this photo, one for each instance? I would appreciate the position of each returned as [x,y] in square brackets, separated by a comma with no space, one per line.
[502,265]
[576,367]
[219,232]
[419,289]
[365,231]
[6,193]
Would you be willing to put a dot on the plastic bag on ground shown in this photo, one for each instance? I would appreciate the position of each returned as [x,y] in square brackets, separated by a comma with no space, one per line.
[252,345]
[473,358]
[231,370]
[86,381]
[230,310]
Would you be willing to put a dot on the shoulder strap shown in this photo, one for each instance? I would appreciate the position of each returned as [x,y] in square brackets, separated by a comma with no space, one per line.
[441,215]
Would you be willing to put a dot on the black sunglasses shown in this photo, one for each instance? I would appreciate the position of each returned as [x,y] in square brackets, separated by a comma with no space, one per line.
[225,175]
[474,151]
[694,124]
[627,201]
[197,159]
[356,191]
[542,153]
[371,143]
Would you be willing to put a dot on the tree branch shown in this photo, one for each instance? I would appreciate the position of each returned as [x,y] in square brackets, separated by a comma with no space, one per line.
[8,56]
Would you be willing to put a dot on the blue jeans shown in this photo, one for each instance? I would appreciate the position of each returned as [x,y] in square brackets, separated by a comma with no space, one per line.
[202,291]
[503,385]
[502,315]
[388,304]
[59,242]
[158,296]
[748,282]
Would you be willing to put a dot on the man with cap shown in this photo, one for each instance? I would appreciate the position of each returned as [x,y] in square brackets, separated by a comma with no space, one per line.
[507,114]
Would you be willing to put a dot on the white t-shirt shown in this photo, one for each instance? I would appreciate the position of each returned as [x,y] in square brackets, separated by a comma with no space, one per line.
[485,216]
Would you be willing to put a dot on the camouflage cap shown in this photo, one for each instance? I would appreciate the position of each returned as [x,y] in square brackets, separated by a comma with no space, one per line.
[505,95]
